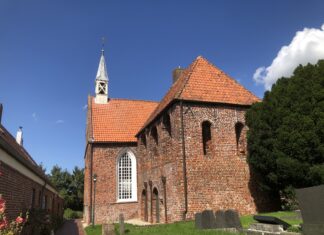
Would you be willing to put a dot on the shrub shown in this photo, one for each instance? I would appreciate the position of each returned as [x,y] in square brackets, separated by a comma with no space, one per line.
[13,228]
[71,214]
[294,229]
[41,222]
[288,199]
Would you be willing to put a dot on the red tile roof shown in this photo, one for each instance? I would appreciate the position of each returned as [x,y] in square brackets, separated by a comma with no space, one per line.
[204,82]
[120,119]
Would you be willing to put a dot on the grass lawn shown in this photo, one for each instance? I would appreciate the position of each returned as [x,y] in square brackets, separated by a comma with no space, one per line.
[188,227]
[288,216]
[96,230]
[179,228]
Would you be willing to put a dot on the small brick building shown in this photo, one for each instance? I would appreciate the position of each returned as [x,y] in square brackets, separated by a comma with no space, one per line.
[23,185]
[163,162]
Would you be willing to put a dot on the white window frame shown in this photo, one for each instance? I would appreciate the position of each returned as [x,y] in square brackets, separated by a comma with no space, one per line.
[133,177]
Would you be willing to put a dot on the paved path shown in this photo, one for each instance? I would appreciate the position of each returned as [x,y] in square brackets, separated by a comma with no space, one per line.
[71,227]
[138,222]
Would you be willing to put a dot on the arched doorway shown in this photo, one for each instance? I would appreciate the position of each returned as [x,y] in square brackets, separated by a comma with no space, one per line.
[144,211]
[156,206]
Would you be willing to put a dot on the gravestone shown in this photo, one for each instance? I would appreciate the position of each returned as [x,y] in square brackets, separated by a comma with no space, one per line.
[311,203]
[121,224]
[271,220]
[108,229]
[198,222]
[265,228]
[232,219]
[208,219]
[220,219]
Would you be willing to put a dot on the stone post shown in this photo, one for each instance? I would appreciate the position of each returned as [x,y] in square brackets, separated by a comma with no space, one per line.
[121,224]
[108,229]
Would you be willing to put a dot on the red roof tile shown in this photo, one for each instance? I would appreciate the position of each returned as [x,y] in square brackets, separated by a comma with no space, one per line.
[120,119]
[204,82]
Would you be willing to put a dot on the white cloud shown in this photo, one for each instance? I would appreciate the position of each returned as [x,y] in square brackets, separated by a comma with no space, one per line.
[35,117]
[84,107]
[307,46]
[60,121]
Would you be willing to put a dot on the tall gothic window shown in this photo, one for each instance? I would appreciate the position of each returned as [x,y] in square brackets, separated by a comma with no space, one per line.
[167,123]
[154,134]
[240,140]
[143,138]
[126,170]
[206,136]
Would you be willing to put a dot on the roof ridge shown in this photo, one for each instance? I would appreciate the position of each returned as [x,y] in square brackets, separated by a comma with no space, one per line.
[195,62]
[178,90]
[150,101]
[185,75]
[11,141]
[230,77]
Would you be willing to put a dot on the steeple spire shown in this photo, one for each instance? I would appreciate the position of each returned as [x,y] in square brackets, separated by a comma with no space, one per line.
[102,69]
[102,80]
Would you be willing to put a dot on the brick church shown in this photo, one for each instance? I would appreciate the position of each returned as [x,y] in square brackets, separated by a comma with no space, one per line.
[165,161]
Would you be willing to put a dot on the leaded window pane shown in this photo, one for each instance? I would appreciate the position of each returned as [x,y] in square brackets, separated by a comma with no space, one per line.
[125,177]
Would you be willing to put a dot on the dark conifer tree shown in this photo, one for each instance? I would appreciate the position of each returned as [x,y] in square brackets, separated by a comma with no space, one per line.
[286,131]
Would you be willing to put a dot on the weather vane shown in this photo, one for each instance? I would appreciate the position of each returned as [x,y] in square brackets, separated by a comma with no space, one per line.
[103,44]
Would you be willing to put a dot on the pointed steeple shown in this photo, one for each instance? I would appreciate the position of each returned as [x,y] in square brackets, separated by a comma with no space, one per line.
[102,69]
[102,81]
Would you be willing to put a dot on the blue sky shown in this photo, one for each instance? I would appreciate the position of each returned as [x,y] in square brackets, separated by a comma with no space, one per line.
[49,53]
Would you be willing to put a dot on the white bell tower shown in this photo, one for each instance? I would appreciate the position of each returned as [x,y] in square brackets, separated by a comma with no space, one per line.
[102,81]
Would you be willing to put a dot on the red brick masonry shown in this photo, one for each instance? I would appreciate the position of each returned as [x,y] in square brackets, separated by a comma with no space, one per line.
[191,153]
[17,190]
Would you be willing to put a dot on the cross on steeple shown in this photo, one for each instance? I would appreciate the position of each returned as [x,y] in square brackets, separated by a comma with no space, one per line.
[103,45]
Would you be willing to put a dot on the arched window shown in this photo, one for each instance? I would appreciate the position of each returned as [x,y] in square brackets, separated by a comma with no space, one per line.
[167,123]
[240,140]
[206,136]
[155,134]
[126,176]
[143,138]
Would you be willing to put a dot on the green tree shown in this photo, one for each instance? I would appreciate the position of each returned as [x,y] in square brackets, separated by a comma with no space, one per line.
[286,131]
[77,186]
[70,186]
[42,168]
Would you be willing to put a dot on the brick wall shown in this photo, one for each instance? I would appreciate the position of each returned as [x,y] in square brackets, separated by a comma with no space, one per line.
[107,208]
[17,190]
[87,186]
[219,179]
[162,159]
